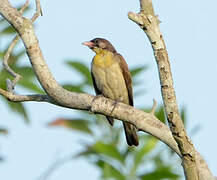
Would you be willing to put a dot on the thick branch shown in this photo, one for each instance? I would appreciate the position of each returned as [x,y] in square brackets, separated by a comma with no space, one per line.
[147,20]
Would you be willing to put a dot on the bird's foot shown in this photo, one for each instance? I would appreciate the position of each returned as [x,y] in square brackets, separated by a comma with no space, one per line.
[95,97]
[115,103]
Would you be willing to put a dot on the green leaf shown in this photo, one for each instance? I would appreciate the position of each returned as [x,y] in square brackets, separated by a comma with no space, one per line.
[74,88]
[74,124]
[3,131]
[28,84]
[148,146]
[108,150]
[159,163]
[1,55]
[160,114]
[25,72]
[136,71]
[159,174]
[3,77]
[109,171]
[82,68]
[183,115]
[8,30]
[20,109]
[18,55]
[88,151]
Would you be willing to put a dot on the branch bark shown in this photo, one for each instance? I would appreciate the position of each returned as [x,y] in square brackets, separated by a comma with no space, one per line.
[149,22]
[23,98]
[146,122]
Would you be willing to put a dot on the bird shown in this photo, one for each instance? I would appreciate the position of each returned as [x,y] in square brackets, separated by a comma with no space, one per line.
[111,79]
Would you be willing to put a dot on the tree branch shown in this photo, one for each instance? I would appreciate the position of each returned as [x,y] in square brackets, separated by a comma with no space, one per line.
[147,20]
[22,98]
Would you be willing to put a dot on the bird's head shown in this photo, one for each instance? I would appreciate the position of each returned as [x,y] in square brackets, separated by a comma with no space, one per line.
[98,45]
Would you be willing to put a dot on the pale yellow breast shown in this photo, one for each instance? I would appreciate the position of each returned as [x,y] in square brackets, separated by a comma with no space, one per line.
[109,78]
[103,59]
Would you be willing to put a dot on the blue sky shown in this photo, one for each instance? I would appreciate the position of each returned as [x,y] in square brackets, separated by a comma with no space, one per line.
[189,29]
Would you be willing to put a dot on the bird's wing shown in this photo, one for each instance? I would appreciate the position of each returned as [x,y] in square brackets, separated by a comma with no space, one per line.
[94,85]
[98,92]
[127,76]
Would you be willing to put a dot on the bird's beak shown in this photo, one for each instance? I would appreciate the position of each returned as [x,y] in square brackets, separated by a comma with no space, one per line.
[89,44]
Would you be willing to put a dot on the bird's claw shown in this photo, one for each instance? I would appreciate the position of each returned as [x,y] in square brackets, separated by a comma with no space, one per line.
[115,103]
[95,97]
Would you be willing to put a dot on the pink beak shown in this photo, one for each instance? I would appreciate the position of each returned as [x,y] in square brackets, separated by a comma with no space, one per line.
[89,44]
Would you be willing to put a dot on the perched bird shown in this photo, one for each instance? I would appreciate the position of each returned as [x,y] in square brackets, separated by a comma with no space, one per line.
[111,78]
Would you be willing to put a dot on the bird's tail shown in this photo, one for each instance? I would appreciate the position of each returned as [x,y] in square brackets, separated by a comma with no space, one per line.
[131,135]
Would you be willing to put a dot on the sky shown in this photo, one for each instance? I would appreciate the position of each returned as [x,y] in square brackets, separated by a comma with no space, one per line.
[189,30]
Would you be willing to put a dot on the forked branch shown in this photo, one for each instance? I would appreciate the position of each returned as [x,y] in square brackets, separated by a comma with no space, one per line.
[149,22]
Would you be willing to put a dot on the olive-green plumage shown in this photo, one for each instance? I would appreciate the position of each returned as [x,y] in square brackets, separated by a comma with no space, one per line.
[111,78]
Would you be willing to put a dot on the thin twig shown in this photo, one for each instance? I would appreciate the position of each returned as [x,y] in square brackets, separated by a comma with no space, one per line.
[38,11]
[17,77]
[10,85]
[22,98]
[22,9]
[153,109]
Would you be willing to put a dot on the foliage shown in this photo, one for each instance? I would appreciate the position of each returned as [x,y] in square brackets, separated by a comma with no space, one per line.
[3,131]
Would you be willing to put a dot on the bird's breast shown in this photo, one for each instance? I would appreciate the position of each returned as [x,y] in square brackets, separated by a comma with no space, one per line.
[103,60]
[109,79]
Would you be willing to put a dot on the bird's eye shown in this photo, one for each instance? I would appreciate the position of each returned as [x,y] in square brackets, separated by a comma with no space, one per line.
[96,41]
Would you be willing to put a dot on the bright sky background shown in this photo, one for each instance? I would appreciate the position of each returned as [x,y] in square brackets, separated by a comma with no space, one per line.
[189,29]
